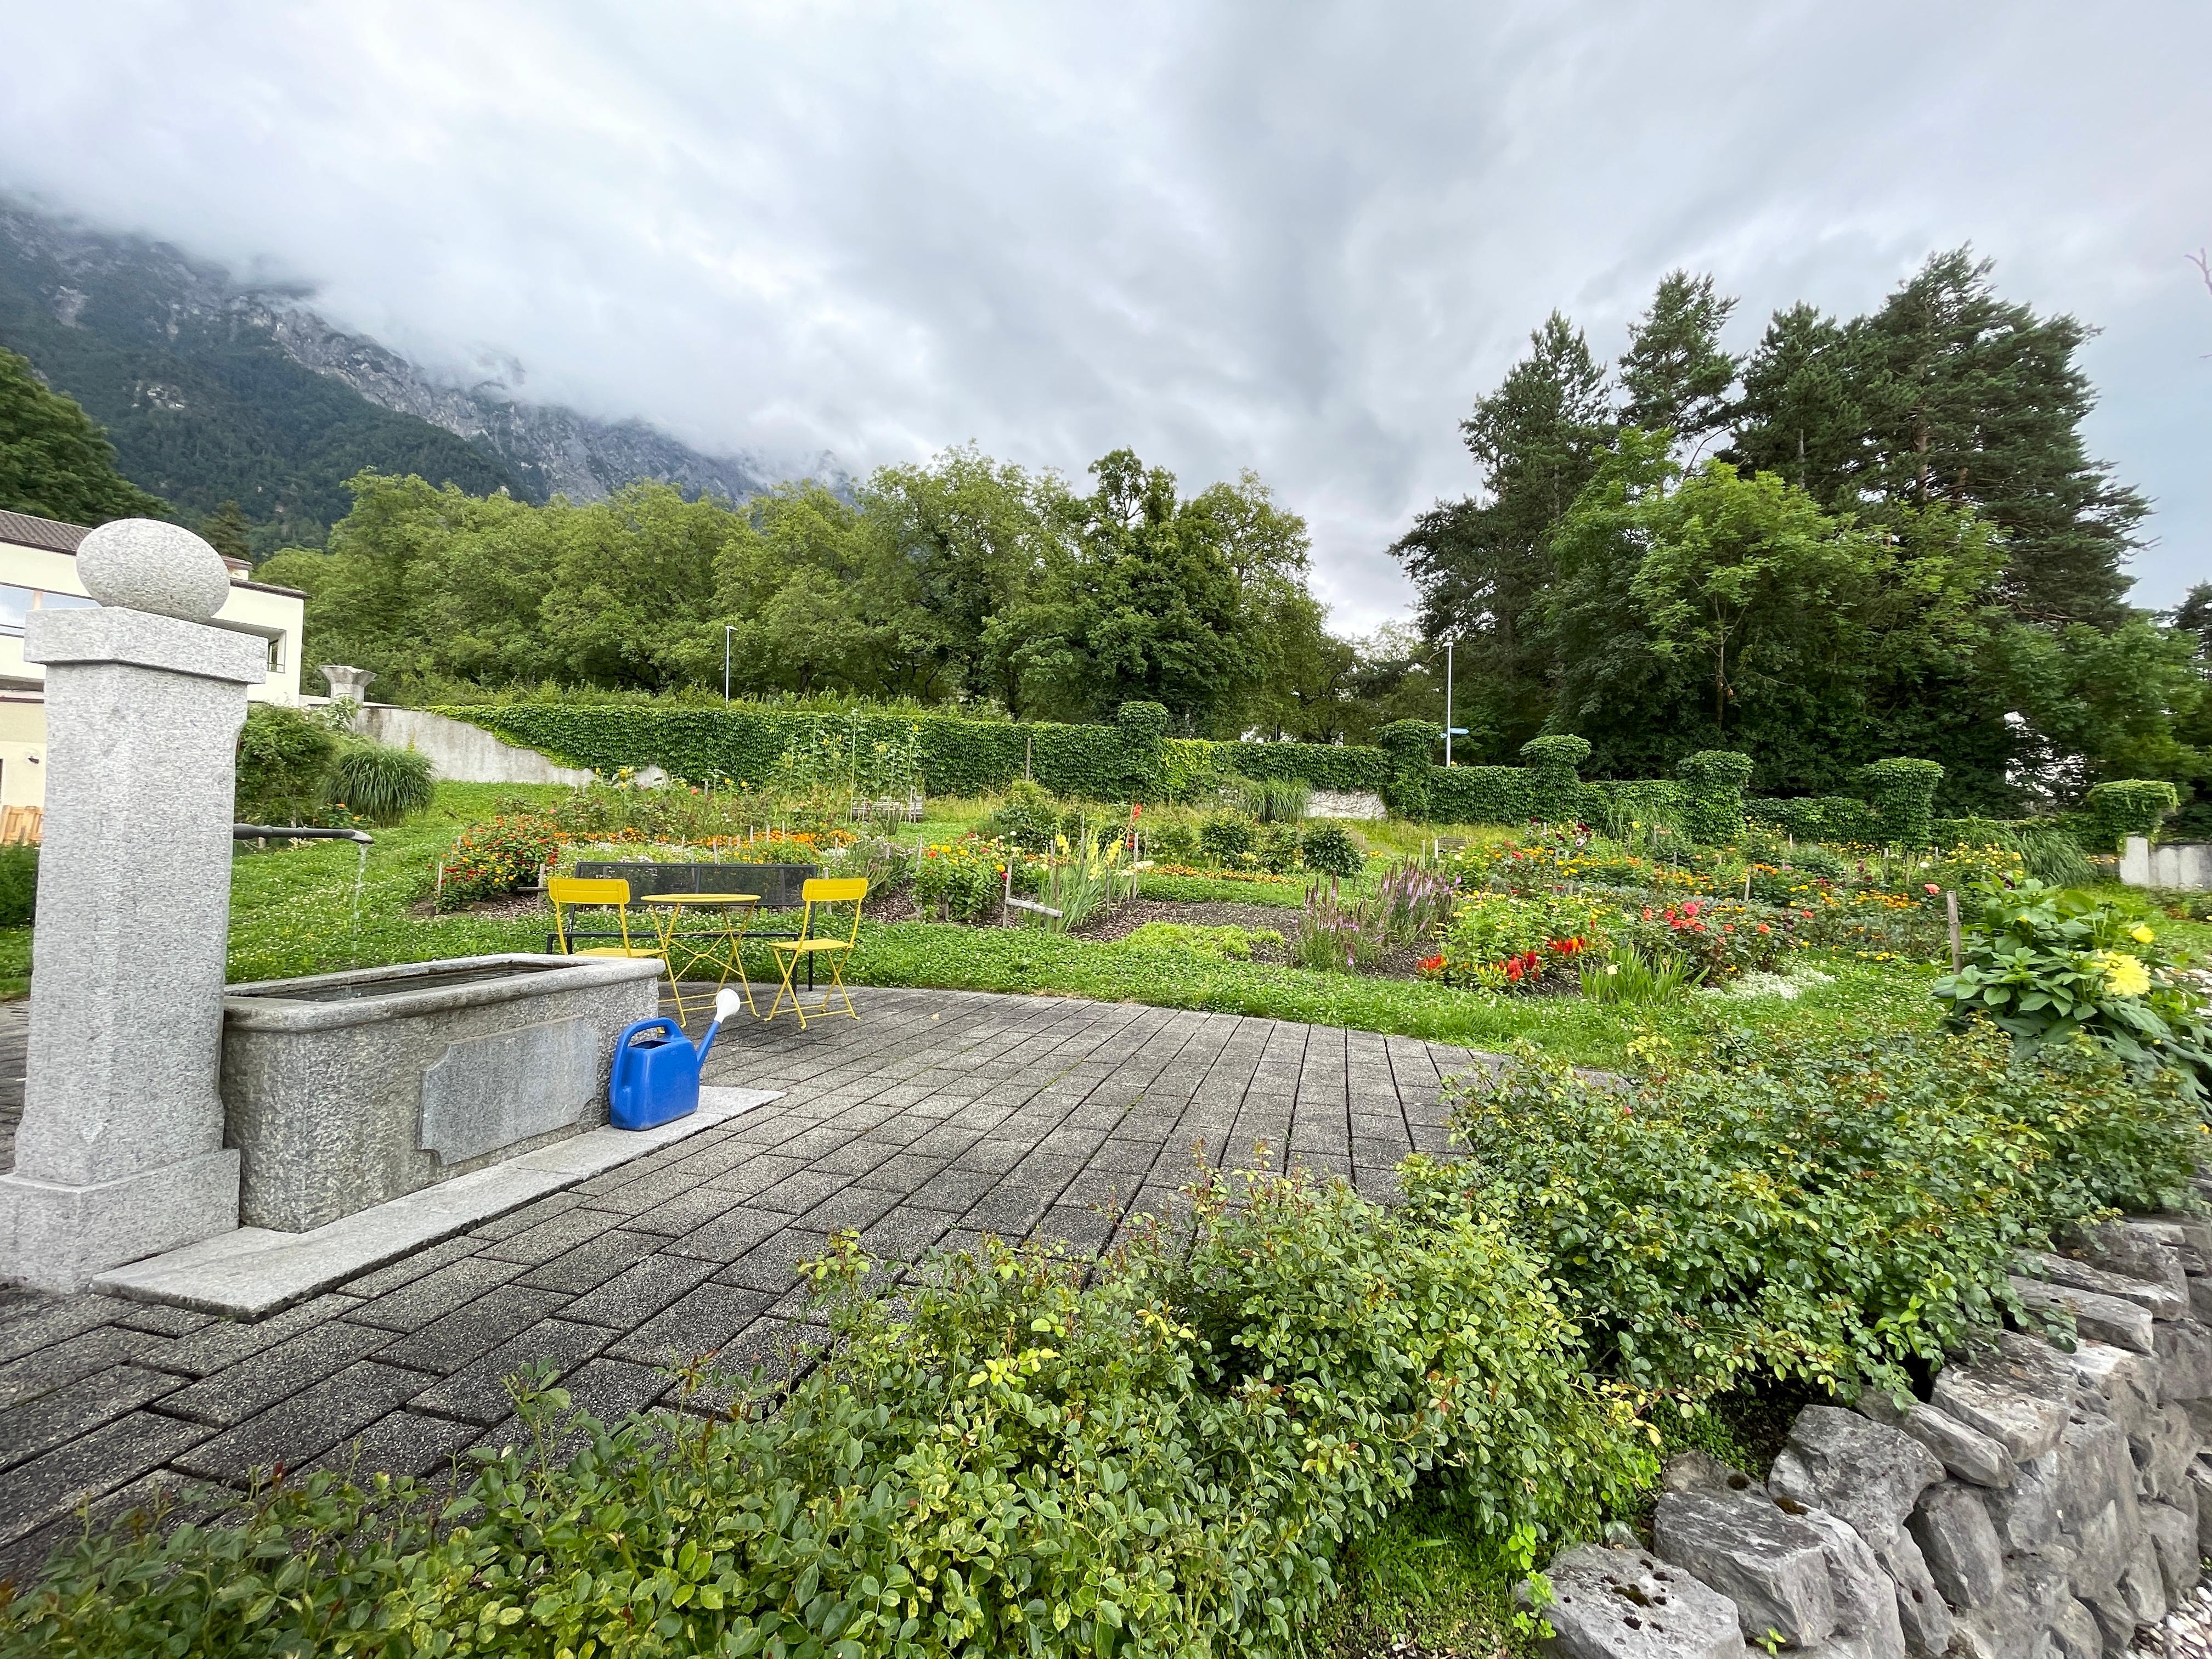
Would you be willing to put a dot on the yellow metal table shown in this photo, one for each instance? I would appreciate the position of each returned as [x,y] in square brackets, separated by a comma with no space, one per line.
[716,946]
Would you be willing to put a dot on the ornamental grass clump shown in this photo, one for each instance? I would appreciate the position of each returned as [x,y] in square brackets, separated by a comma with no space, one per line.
[1826,1211]
[1164,1455]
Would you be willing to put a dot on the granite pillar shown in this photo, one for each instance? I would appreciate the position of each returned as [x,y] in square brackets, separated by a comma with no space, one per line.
[120,1152]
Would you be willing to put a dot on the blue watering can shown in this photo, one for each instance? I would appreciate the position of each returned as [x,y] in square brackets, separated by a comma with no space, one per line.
[656,1076]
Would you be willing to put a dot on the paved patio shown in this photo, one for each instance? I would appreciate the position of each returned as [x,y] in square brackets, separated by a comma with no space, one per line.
[941,1117]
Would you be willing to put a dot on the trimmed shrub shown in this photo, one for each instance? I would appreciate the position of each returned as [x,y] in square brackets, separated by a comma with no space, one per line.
[1332,850]
[1902,793]
[1554,791]
[1346,768]
[283,758]
[1027,818]
[381,783]
[1825,1210]
[1480,794]
[1712,795]
[499,856]
[2130,806]
[19,886]
[1409,745]
[1226,839]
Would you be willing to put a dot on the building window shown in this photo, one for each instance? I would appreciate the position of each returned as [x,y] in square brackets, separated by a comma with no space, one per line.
[17,602]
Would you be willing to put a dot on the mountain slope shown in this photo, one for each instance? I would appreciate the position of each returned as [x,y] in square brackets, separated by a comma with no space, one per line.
[215,390]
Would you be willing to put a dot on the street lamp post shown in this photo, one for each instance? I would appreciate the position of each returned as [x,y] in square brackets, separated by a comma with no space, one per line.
[1447,700]
[728,628]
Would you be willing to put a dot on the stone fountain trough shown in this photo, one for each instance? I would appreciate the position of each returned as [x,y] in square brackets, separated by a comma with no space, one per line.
[343,1090]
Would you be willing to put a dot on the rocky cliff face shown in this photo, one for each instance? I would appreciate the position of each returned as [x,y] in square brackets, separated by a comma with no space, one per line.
[151,296]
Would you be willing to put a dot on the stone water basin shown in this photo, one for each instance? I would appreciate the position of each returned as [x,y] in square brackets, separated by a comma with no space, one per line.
[342,1090]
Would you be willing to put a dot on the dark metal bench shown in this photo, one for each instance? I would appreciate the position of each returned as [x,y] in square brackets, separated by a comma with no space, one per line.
[781,887]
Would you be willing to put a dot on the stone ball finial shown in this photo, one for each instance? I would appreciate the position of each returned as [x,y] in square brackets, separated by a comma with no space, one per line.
[143,564]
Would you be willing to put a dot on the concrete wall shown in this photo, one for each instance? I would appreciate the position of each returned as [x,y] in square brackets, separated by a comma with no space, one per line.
[460,752]
[2186,865]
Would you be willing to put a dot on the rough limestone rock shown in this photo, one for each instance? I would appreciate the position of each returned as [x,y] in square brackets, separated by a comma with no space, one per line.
[1960,1546]
[1627,1604]
[2026,1513]
[2135,1249]
[2101,1553]
[2200,1295]
[2073,1632]
[1991,1400]
[2144,1584]
[1968,1454]
[1921,1611]
[2183,1347]
[2002,1628]
[1771,1564]
[2121,1385]
[1697,1471]
[2030,1365]
[2163,1449]
[2104,1318]
[1870,1474]
[2173,1537]
[1867,1622]
[2158,1297]
[2200,1478]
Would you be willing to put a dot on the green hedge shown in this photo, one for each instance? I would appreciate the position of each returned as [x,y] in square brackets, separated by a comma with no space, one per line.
[1480,794]
[1903,795]
[2130,806]
[958,755]
[1712,794]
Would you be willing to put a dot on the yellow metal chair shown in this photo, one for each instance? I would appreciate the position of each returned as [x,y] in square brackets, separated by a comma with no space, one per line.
[568,893]
[834,951]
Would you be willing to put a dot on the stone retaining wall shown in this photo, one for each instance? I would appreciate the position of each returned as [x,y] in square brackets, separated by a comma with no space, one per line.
[2039,1504]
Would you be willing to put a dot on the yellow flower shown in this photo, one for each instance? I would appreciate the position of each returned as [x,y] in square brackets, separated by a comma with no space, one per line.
[2124,974]
[2141,933]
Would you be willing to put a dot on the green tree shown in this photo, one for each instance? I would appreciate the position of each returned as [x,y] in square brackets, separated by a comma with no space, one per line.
[1800,416]
[1675,375]
[1483,564]
[54,462]
[226,530]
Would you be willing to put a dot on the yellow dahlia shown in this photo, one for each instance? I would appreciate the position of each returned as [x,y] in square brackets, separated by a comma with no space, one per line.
[2124,974]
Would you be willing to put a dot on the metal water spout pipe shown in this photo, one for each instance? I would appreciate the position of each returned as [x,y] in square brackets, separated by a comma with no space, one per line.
[297,832]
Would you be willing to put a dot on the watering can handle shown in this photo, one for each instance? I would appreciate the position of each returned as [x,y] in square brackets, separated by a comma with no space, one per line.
[658,1022]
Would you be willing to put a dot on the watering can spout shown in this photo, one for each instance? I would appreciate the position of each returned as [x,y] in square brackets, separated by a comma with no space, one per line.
[727,1002]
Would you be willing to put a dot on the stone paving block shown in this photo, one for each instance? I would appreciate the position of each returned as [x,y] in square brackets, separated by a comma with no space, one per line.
[480,1392]
[111,1455]
[405,1271]
[533,1247]
[235,1393]
[853,1208]
[591,1264]
[52,1420]
[904,1172]
[638,1292]
[400,1444]
[1009,1211]
[795,1195]
[763,1355]
[46,1321]
[44,1369]
[430,1298]
[227,1341]
[523,1217]
[695,1325]
[297,1431]
[772,1265]
[674,1218]
[954,1190]
[1082,1230]
[729,1236]
[904,1234]
[452,1342]
[158,1321]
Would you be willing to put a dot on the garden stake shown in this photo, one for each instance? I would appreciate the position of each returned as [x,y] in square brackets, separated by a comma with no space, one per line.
[1951,915]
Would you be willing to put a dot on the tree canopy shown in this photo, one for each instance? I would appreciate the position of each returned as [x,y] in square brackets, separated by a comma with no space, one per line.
[54,462]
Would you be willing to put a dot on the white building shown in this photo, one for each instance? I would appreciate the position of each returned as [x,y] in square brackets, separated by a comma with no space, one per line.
[38,572]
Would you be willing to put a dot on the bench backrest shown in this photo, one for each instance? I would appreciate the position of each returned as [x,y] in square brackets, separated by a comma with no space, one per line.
[780,886]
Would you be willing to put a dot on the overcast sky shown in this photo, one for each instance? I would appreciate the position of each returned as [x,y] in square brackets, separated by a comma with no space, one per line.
[1296,238]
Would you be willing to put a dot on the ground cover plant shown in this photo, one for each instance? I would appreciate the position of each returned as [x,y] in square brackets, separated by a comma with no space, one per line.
[1163,1456]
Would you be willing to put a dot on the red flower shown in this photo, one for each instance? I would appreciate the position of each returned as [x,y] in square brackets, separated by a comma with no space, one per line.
[1431,964]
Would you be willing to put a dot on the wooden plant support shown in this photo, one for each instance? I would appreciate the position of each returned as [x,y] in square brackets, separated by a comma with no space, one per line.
[1951,916]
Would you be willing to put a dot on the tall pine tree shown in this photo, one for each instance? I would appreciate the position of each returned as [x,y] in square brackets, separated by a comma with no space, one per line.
[1675,375]
[1483,564]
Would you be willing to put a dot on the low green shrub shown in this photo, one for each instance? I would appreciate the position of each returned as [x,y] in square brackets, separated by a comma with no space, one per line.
[964,879]
[1028,818]
[1225,839]
[1716,939]
[1828,1211]
[1501,943]
[283,759]
[1331,849]
[1219,944]
[1017,1456]
[499,856]
[1169,842]
[2044,964]
[1276,848]
[381,783]
[19,886]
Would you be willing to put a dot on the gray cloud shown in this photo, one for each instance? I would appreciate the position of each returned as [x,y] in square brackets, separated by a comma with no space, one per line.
[1295,238]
